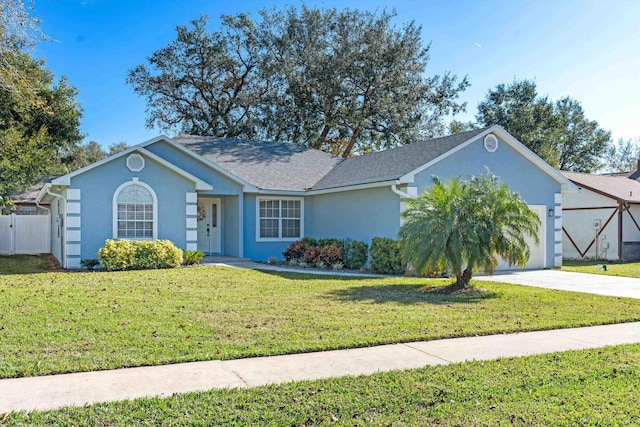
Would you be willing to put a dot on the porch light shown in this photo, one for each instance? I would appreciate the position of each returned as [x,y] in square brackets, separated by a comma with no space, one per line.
[551,212]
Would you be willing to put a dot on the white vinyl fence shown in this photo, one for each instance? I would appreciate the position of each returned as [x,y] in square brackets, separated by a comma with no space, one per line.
[25,234]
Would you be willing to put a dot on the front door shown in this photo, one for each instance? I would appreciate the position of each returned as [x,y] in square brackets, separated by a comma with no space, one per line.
[209,226]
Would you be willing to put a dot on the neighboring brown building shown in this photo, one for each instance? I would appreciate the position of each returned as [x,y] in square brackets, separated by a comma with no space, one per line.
[25,202]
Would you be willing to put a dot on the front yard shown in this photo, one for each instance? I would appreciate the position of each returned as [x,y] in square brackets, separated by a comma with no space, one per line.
[626,269]
[596,387]
[53,322]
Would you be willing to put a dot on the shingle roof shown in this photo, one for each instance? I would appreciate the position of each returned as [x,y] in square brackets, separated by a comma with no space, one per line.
[272,166]
[618,187]
[29,195]
[393,163]
[278,166]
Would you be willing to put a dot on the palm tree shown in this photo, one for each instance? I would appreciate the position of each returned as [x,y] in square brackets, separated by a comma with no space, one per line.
[464,226]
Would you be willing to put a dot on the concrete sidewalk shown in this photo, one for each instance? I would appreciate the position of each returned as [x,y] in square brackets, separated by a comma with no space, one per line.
[56,391]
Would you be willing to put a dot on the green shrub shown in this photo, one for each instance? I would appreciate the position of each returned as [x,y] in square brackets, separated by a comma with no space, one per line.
[357,255]
[296,250]
[309,241]
[193,257]
[330,241]
[89,264]
[117,255]
[385,256]
[138,255]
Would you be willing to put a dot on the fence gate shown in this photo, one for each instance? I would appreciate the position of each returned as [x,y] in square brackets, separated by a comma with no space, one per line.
[25,234]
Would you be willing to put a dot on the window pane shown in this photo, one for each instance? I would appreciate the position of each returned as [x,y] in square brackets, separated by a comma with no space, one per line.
[268,228]
[290,228]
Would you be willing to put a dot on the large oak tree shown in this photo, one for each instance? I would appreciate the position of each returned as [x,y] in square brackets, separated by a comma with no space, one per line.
[557,131]
[344,81]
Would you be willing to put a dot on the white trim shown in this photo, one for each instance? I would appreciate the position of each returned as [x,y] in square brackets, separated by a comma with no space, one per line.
[557,198]
[196,156]
[557,211]
[494,140]
[557,261]
[73,263]
[73,208]
[191,210]
[191,223]
[192,236]
[74,235]
[73,194]
[557,236]
[557,248]
[72,249]
[557,224]
[138,157]
[347,188]
[114,207]
[191,197]
[566,185]
[192,246]
[279,239]
[73,222]
[200,184]
[410,193]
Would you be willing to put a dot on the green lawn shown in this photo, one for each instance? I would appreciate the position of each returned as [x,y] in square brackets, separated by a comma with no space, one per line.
[627,269]
[53,322]
[588,388]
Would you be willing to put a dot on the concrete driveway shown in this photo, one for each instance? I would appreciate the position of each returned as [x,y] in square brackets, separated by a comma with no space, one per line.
[567,281]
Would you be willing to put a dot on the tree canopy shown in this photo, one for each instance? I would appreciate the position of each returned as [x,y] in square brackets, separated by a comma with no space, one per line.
[557,131]
[343,81]
[81,155]
[461,226]
[622,156]
[35,129]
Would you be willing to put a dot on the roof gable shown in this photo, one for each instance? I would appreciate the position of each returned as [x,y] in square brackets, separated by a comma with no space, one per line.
[66,179]
[403,163]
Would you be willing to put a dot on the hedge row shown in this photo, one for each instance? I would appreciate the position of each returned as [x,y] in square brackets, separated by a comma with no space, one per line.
[385,253]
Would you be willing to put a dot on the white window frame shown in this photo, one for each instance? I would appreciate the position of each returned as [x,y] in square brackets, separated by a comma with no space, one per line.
[116,193]
[279,238]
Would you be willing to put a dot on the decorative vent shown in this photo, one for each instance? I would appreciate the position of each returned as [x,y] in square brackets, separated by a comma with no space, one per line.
[491,143]
[135,162]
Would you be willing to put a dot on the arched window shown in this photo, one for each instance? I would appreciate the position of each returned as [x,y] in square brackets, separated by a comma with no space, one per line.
[135,212]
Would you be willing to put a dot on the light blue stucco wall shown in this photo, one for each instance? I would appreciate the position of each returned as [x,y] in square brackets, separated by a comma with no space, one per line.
[360,215]
[356,214]
[533,185]
[97,188]
[220,183]
[262,251]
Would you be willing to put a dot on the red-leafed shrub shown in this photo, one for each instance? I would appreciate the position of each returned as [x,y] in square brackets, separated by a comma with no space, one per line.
[330,254]
[312,255]
[295,251]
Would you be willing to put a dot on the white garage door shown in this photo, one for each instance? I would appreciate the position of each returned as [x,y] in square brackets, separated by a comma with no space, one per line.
[537,251]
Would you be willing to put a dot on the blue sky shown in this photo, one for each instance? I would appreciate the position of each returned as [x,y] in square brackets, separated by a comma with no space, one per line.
[588,50]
